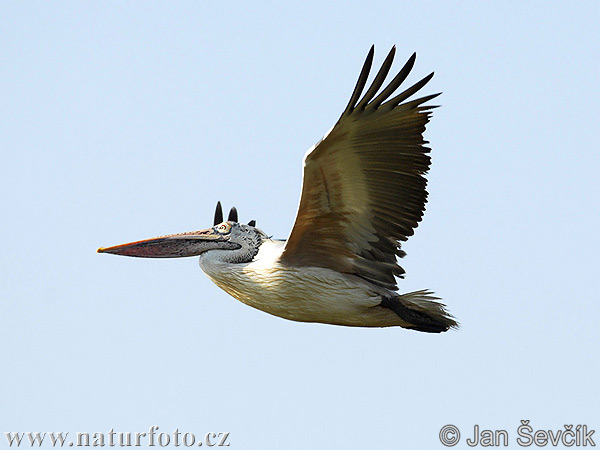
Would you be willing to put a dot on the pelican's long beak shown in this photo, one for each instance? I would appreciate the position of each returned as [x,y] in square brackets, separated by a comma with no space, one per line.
[179,245]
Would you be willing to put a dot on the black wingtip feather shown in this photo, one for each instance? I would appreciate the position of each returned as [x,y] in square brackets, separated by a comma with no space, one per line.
[379,79]
[394,84]
[418,102]
[362,80]
[391,104]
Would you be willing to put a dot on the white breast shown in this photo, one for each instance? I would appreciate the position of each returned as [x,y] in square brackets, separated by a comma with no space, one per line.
[305,294]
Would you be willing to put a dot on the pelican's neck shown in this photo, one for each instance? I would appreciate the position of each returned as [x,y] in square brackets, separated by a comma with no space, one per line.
[267,253]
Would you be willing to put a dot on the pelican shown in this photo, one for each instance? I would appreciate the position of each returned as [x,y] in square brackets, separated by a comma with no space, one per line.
[363,193]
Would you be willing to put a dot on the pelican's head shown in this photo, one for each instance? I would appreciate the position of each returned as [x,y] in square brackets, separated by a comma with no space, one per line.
[228,241]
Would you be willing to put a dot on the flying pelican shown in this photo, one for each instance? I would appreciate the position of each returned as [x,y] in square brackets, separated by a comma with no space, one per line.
[363,192]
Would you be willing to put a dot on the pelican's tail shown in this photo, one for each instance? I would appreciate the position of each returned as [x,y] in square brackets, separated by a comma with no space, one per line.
[421,310]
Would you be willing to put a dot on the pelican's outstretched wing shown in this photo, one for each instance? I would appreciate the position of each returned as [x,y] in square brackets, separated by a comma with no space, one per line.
[364,187]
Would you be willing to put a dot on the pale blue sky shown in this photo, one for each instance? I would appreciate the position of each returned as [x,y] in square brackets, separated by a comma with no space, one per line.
[127,120]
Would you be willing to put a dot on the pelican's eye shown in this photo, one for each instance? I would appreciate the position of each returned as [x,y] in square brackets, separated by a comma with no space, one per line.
[224,228]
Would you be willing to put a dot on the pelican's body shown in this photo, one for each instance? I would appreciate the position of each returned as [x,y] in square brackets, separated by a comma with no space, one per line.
[363,193]
[312,294]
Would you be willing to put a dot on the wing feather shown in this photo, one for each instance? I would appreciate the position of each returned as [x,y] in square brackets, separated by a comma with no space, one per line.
[379,79]
[362,81]
[364,189]
[395,83]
